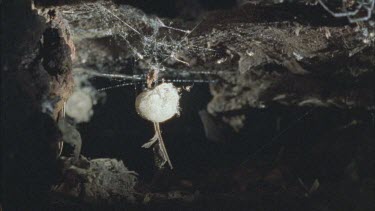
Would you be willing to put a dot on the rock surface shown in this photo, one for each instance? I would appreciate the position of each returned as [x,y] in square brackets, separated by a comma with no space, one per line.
[101,180]
[257,56]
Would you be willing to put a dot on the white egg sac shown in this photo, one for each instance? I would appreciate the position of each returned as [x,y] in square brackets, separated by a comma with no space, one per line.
[158,104]
[79,106]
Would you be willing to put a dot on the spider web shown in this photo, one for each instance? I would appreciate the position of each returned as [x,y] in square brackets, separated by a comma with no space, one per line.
[163,47]
[152,44]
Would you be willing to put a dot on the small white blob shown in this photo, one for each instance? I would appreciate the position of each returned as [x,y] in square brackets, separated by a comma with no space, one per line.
[79,106]
[158,104]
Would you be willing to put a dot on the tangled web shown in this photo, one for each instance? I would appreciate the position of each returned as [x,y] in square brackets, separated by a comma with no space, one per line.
[154,45]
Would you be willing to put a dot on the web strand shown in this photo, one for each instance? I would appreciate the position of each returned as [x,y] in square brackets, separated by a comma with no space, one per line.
[277,136]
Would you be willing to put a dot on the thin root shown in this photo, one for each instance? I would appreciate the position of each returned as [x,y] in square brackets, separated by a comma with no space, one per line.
[163,150]
[162,146]
[151,142]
